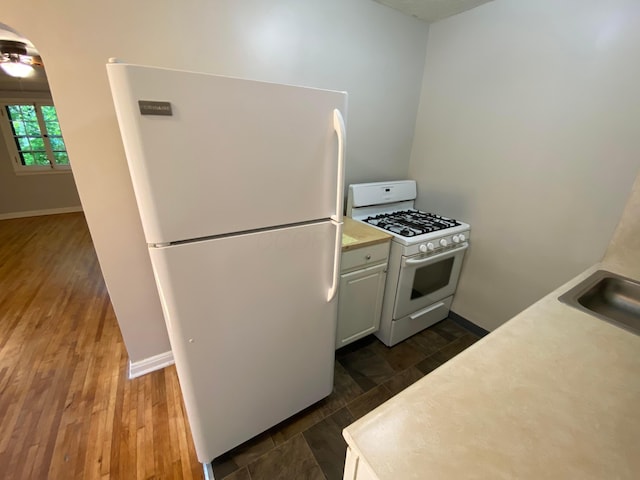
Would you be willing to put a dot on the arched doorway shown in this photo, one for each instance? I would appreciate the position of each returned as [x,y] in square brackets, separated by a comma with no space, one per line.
[32,147]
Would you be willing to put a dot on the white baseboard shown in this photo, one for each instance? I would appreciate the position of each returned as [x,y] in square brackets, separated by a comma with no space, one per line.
[37,213]
[151,364]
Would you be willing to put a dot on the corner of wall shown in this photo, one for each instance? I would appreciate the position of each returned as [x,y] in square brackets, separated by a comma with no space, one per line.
[151,364]
[624,248]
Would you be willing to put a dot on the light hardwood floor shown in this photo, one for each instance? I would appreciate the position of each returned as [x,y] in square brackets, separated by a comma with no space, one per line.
[67,408]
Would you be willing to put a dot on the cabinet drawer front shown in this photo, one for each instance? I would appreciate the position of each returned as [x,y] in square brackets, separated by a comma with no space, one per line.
[411,324]
[364,256]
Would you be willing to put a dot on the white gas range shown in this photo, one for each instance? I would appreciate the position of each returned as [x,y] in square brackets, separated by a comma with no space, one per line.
[425,258]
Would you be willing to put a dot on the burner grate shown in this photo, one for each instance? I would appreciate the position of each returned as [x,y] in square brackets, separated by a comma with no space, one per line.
[410,223]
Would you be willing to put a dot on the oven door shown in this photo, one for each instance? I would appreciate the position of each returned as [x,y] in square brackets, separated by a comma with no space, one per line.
[427,280]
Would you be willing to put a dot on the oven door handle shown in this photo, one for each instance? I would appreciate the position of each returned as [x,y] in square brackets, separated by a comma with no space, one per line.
[424,261]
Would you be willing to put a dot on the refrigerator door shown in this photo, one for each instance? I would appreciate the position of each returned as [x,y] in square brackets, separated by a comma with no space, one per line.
[211,155]
[251,330]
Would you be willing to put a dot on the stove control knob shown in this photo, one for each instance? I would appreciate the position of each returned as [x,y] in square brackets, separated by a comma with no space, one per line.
[456,239]
[462,237]
[430,246]
[423,248]
[443,242]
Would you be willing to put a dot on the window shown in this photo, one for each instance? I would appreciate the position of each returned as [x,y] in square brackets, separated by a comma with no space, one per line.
[33,137]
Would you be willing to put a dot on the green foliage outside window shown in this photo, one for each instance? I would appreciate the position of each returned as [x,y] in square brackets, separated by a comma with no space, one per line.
[36,132]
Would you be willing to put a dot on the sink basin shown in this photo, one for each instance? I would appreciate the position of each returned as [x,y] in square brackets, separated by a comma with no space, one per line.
[608,296]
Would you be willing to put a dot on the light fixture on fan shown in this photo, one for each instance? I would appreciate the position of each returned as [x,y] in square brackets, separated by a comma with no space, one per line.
[14,59]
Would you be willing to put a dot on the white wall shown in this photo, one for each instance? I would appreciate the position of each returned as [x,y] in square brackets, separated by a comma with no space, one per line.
[374,53]
[30,193]
[623,252]
[528,130]
[24,194]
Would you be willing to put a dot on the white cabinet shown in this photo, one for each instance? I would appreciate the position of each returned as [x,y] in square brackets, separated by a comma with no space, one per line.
[355,468]
[362,280]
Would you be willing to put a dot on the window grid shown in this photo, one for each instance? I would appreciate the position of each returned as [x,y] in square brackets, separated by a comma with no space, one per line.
[37,136]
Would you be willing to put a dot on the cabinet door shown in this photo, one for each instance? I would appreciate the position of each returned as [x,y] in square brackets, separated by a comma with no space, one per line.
[360,303]
[356,468]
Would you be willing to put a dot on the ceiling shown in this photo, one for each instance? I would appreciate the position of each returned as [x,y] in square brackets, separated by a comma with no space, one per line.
[432,10]
[37,82]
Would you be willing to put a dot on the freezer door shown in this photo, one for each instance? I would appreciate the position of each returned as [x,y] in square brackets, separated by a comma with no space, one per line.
[251,329]
[212,155]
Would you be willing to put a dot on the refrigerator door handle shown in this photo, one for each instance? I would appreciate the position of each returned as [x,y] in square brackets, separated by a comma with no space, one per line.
[336,261]
[338,126]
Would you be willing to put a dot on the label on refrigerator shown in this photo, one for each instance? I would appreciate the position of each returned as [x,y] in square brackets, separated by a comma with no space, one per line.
[148,107]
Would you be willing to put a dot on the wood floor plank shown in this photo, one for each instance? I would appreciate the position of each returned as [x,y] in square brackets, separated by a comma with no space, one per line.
[67,408]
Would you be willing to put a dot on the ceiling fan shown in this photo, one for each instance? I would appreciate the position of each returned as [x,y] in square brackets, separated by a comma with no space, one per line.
[15,59]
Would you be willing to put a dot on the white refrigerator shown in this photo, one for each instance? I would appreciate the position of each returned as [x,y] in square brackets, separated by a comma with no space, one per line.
[239,187]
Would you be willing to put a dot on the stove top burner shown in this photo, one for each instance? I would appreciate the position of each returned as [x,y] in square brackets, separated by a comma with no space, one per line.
[409,223]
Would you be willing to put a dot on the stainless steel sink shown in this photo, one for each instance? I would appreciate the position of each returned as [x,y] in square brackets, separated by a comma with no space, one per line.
[608,296]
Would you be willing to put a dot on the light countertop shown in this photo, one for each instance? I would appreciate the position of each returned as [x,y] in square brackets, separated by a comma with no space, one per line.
[553,393]
[357,235]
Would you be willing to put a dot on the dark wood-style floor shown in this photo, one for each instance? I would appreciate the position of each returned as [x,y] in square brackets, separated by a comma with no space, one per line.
[367,373]
[68,410]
